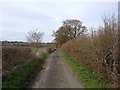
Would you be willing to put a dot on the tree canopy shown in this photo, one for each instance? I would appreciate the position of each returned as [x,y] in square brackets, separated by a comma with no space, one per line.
[71,29]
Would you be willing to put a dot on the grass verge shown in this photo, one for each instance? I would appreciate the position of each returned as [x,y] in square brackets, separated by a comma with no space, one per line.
[86,77]
[18,77]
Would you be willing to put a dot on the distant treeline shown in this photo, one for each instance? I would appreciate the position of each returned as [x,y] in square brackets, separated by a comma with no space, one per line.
[20,43]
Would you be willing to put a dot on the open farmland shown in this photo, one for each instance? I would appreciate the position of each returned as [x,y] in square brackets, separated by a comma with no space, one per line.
[14,56]
[64,44]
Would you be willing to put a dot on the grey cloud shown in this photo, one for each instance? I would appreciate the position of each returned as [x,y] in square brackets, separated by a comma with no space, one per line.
[20,18]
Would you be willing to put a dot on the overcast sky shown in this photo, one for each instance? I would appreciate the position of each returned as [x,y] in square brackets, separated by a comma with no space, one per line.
[17,18]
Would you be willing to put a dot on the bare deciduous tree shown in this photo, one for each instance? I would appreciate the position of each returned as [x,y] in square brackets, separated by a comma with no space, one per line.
[34,36]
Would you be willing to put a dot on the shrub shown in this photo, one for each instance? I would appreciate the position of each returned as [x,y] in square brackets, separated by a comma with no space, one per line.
[98,51]
[14,56]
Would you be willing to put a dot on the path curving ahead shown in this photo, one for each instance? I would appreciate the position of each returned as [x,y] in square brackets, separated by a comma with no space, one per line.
[56,74]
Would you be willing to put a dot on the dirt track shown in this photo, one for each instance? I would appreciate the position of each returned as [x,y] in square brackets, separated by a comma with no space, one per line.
[56,74]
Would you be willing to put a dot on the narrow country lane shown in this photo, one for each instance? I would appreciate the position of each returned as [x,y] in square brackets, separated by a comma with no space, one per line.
[56,74]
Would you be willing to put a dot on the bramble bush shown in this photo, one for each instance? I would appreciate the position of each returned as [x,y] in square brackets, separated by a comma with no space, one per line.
[98,51]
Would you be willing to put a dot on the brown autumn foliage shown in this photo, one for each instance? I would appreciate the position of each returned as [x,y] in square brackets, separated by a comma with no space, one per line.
[70,29]
[98,51]
[14,56]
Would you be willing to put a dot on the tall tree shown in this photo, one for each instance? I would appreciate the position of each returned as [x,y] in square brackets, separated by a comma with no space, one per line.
[34,36]
[70,29]
[74,27]
[62,35]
